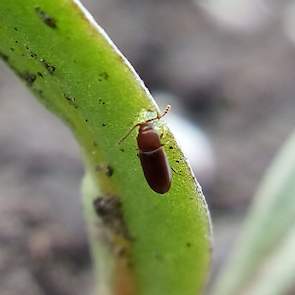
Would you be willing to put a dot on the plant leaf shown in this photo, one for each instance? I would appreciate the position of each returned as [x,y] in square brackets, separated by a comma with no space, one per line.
[277,275]
[267,225]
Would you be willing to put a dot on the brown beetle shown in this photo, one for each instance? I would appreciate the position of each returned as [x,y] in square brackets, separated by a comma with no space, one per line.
[152,156]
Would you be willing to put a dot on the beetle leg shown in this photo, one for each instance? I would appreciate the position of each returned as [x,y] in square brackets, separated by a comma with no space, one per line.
[163,133]
[162,136]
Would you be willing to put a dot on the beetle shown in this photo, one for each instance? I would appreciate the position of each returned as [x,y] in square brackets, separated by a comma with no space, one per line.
[153,159]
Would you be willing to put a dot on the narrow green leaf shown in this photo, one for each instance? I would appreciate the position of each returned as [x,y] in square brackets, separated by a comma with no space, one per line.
[142,242]
[277,275]
[267,225]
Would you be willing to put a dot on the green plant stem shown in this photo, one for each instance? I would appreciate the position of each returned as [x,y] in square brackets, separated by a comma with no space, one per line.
[142,243]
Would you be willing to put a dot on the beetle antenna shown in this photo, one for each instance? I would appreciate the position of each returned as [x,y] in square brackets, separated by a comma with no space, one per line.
[160,115]
[167,109]
[128,133]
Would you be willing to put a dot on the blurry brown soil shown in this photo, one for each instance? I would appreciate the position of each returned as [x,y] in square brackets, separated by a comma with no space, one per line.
[239,88]
[38,256]
[43,245]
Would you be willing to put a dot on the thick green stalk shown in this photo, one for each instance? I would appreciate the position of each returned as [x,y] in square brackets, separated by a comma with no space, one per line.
[142,243]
